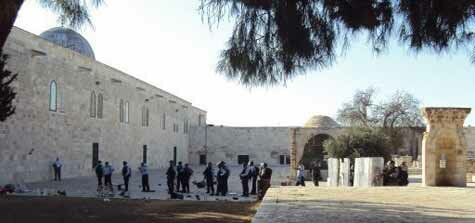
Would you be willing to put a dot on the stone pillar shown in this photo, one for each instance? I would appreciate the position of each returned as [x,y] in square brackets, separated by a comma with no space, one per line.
[333,172]
[368,172]
[444,148]
[293,153]
[344,179]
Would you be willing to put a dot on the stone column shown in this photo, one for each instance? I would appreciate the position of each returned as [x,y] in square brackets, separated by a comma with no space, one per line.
[293,153]
[368,172]
[444,148]
[344,179]
[333,172]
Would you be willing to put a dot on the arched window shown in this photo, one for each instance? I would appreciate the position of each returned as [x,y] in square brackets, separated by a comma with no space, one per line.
[53,94]
[121,110]
[92,105]
[126,112]
[100,105]
[164,121]
[145,116]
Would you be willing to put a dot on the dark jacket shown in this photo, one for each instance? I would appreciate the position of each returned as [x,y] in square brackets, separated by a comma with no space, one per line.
[208,173]
[171,173]
[187,172]
[99,170]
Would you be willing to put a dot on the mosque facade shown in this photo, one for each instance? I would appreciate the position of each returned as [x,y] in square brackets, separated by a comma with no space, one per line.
[71,106]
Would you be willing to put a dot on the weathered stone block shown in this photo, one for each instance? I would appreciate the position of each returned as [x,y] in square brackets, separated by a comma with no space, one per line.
[333,172]
[344,179]
[368,172]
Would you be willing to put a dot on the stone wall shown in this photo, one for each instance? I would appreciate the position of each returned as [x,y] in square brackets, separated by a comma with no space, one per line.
[34,136]
[261,144]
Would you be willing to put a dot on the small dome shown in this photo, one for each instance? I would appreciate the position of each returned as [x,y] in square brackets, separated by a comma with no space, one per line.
[70,39]
[321,121]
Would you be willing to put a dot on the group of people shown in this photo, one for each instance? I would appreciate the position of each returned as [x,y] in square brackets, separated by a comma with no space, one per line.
[316,175]
[105,172]
[251,173]
[179,174]
[395,175]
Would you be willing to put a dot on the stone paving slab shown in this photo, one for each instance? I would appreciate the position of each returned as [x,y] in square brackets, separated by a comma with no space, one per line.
[367,205]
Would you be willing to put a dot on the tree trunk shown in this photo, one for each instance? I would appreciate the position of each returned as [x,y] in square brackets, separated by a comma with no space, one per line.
[8,13]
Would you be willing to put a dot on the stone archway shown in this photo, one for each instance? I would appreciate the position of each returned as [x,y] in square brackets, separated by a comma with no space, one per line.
[314,151]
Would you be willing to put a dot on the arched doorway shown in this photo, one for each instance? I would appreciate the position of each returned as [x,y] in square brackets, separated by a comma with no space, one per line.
[313,151]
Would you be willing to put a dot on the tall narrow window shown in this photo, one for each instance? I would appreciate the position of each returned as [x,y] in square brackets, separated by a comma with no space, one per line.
[185,127]
[164,121]
[199,120]
[126,112]
[121,110]
[92,105]
[100,105]
[52,95]
[145,116]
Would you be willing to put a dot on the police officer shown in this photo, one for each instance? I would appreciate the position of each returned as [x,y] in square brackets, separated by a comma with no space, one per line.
[171,174]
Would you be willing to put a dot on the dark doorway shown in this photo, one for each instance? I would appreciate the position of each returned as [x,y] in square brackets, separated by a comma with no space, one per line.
[95,154]
[202,159]
[174,155]
[144,155]
[314,152]
[243,159]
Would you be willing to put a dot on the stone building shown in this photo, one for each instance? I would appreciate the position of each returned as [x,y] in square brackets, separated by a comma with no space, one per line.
[71,106]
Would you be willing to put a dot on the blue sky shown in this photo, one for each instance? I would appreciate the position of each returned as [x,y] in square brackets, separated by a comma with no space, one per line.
[166,44]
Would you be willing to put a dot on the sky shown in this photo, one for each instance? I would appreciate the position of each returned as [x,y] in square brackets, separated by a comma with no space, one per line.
[167,44]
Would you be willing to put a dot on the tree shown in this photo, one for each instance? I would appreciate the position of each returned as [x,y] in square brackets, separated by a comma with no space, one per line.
[71,12]
[6,91]
[400,110]
[359,142]
[274,40]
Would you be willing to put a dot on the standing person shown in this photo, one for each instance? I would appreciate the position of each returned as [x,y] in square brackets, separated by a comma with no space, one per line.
[403,174]
[126,173]
[265,176]
[57,169]
[245,174]
[171,174]
[108,170]
[220,177]
[254,172]
[301,175]
[316,173]
[179,176]
[144,172]
[187,172]
[99,173]
[209,175]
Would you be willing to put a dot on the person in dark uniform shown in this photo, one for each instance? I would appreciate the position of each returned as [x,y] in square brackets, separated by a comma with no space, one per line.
[254,172]
[209,175]
[316,173]
[265,176]
[179,176]
[144,172]
[99,172]
[171,174]
[245,175]
[126,173]
[221,178]
[188,172]
[57,169]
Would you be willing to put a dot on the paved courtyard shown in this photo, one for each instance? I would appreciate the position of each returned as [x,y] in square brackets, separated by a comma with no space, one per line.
[367,205]
[86,186]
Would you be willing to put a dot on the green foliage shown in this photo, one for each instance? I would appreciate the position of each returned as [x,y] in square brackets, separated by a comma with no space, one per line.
[359,142]
[6,91]
[73,13]
[275,40]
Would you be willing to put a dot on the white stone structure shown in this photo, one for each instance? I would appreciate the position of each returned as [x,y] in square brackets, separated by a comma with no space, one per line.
[368,172]
[69,105]
[344,174]
[333,172]
[444,152]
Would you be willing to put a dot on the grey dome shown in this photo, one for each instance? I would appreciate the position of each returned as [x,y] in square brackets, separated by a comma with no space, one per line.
[70,39]
[321,121]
